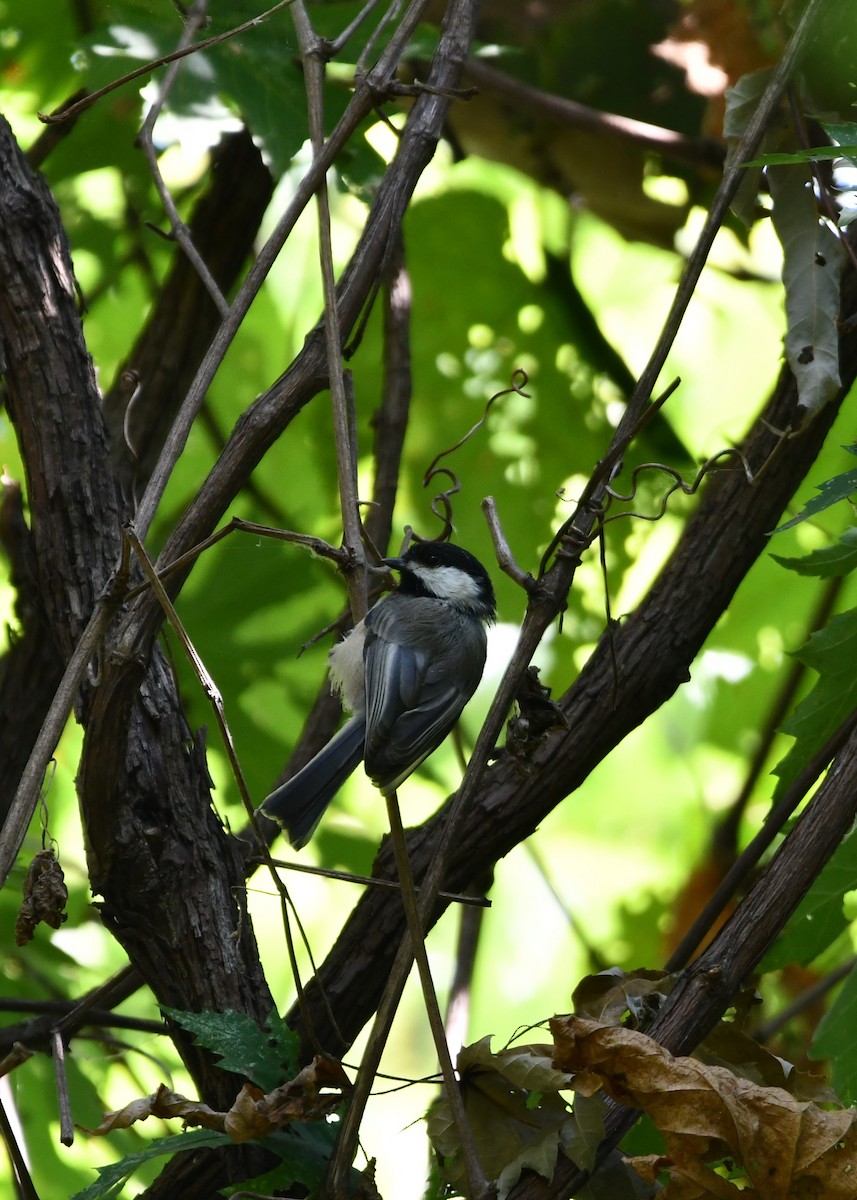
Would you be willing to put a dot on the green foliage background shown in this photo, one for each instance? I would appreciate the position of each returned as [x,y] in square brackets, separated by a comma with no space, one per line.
[483,243]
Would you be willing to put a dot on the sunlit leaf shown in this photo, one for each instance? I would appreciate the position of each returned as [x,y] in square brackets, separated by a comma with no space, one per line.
[827,562]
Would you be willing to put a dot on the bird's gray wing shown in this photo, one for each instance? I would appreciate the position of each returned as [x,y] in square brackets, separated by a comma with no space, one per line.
[413,692]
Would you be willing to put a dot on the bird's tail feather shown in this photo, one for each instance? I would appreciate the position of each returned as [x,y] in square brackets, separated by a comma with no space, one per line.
[299,803]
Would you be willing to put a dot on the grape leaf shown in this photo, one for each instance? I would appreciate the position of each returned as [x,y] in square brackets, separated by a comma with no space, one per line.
[828,562]
[840,487]
[112,1177]
[265,1056]
[835,1039]
[831,652]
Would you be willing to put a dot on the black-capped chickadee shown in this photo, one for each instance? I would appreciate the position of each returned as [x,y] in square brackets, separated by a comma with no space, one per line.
[406,672]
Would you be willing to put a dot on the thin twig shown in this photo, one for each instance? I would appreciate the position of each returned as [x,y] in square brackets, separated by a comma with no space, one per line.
[502,549]
[676,146]
[459,27]
[729,184]
[95,1016]
[477,1185]
[368,881]
[367,51]
[390,423]
[457,1019]
[174,443]
[61,1078]
[344,423]
[25,1186]
[194,20]
[338,43]
[764,1032]
[318,546]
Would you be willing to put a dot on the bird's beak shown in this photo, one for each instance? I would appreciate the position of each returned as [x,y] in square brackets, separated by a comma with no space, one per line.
[395,564]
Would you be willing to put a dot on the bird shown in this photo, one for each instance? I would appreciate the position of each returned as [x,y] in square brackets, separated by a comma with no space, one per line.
[405,673]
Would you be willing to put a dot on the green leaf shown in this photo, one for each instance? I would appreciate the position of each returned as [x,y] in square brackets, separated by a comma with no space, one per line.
[267,1056]
[510,1136]
[812,268]
[795,157]
[840,487]
[306,1151]
[819,918]
[582,1138]
[836,1039]
[845,136]
[741,102]
[111,1178]
[831,652]
[828,562]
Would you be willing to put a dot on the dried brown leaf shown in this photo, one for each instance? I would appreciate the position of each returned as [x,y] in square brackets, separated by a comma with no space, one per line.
[162,1103]
[610,994]
[45,897]
[254,1114]
[788,1149]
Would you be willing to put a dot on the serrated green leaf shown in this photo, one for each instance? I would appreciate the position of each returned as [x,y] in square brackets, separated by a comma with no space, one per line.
[836,1039]
[267,1056]
[827,563]
[831,652]
[813,261]
[819,918]
[111,1178]
[840,487]
[796,157]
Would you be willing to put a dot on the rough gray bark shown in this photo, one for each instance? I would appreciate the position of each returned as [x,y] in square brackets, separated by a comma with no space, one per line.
[167,873]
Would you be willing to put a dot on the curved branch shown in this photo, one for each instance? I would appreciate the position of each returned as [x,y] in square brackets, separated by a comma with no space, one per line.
[654,649]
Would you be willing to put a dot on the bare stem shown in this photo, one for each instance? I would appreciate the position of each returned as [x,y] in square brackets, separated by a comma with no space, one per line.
[477,1184]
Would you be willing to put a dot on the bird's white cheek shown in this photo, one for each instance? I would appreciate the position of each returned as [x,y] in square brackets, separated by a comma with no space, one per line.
[346,669]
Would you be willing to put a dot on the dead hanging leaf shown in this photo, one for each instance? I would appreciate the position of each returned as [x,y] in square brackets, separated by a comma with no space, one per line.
[165,1104]
[254,1113]
[45,897]
[813,262]
[785,1148]
[514,1109]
